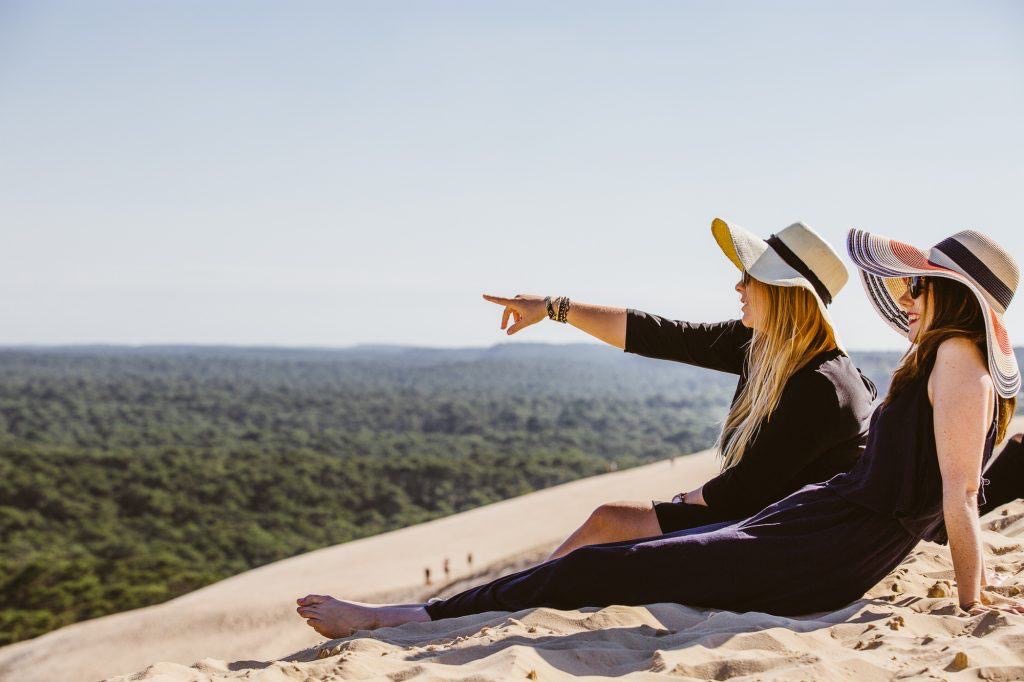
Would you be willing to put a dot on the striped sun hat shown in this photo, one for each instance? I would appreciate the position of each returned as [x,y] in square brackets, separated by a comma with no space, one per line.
[969,257]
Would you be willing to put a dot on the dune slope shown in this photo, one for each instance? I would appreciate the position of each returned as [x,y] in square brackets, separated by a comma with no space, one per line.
[907,626]
[251,616]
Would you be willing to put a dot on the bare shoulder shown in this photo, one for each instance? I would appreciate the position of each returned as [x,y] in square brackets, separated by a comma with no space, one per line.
[960,355]
[960,373]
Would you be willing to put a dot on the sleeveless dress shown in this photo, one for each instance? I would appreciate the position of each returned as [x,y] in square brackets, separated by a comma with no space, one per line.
[818,549]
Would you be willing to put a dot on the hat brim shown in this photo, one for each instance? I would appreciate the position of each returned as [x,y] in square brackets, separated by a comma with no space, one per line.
[754,255]
[884,262]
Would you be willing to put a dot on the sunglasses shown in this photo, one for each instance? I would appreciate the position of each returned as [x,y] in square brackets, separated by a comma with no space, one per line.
[915,285]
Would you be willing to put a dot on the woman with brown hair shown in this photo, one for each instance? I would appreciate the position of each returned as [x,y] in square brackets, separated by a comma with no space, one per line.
[919,478]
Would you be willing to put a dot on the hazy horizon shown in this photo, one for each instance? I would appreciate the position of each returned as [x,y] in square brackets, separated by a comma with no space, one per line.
[243,346]
[336,174]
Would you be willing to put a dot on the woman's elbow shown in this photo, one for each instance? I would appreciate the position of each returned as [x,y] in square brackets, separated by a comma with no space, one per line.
[964,494]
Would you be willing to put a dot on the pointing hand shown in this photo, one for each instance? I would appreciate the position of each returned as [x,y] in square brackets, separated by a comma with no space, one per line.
[524,309]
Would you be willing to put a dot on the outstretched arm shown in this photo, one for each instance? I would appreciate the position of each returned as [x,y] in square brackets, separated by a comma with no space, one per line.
[605,323]
[714,345]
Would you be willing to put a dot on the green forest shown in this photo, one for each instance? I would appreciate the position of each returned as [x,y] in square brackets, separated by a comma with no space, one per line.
[129,476]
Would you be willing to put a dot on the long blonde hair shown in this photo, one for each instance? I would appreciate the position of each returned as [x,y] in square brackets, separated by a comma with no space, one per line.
[793,331]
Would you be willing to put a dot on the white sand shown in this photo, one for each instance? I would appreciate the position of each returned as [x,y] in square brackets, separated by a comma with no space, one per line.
[896,632]
[245,626]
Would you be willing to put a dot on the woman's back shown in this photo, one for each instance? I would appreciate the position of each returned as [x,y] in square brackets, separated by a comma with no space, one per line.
[818,429]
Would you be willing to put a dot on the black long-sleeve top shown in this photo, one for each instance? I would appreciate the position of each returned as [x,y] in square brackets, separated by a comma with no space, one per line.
[818,429]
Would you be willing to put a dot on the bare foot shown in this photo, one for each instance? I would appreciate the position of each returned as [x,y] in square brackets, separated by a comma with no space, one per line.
[335,618]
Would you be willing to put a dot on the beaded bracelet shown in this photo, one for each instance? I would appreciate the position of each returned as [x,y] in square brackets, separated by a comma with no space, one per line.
[551,311]
[563,309]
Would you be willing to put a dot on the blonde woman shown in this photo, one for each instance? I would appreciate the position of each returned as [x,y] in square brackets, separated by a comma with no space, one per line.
[800,410]
[826,544]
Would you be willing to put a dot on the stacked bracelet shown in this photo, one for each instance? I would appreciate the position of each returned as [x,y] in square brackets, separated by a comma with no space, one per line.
[563,309]
[558,309]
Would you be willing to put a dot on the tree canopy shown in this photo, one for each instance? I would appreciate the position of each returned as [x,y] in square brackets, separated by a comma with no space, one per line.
[130,476]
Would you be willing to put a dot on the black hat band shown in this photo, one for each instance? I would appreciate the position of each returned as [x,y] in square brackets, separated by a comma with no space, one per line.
[793,261]
[976,270]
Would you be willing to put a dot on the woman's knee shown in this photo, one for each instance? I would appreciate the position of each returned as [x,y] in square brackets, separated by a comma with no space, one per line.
[601,517]
[619,514]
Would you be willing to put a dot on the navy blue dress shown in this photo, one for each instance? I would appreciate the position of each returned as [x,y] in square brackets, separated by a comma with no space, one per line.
[818,549]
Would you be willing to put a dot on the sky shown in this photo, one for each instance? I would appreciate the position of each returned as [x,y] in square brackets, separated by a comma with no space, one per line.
[340,173]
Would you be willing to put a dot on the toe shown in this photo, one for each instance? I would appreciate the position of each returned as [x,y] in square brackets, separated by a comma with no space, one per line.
[311,599]
[319,626]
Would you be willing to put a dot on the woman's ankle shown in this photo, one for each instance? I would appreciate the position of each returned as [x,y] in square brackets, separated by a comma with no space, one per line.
[393,616]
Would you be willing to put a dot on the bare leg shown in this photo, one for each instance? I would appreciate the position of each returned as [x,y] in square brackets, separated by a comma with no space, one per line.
[612,522]
[335,618]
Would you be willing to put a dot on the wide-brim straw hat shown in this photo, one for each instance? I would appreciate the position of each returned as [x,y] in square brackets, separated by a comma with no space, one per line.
[968,257]
[796,256]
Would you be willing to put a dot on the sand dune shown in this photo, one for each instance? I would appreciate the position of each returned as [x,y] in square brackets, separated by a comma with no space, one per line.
[896,632]
[251,616]
[245,626]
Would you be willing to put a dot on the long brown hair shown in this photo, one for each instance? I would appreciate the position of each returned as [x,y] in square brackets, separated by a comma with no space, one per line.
[793,331]
[955,313]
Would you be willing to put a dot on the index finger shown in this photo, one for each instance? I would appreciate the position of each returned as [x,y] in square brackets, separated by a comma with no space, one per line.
[497,299]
